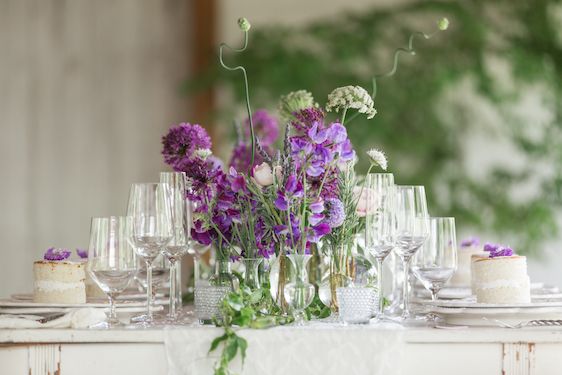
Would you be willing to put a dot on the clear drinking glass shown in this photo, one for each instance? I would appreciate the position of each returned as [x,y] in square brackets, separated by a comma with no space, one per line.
[436,261]
[181,241]
[412,229]
[111,259]
[150,209]
[380,224]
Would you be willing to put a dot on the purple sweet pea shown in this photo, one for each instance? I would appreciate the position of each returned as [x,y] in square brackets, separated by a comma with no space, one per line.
[317,206]
[337,133]
[82,253]
[56,254]
[317,135]
[471,241]
[501,252]
[491,247]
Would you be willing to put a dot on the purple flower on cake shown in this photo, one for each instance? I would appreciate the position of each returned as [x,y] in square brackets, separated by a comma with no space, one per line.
[471,241]
[82,253]
[56,254]
[496,250]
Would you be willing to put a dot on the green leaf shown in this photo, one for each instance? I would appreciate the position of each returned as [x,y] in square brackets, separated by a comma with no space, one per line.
[231,348]
[235,301]
[217,341]
[243,345]
[256,296]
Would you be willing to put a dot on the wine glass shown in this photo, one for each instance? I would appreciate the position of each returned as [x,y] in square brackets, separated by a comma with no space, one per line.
[436,261]
[181,225]
[150,209]
[412,229]
[380,229]
[111,259]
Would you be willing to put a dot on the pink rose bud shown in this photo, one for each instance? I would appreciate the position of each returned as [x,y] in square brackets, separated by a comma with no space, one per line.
[263,174]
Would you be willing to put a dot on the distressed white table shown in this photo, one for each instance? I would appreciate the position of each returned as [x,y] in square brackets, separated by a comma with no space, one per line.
[471,351]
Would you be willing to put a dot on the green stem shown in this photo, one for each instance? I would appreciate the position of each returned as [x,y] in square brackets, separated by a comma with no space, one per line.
[246,87]
[409,50]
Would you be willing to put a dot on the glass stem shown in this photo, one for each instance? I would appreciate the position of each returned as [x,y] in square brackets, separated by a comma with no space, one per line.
[379,287]
[173,269]
[177,280]
[406,295]
[112,312]
[434,290]
[149,297]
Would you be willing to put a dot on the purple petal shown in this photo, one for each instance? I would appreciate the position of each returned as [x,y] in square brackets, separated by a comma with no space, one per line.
[337,133]
[317,206]
[316,218]
[281,202]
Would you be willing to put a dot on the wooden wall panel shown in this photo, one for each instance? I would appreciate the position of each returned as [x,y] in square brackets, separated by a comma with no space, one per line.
[87,88]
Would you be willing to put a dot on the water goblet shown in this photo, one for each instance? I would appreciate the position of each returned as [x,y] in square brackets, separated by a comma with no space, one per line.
[412,230]
[150,209]
[436,261]
[380,228]
[180,243]
[111,259]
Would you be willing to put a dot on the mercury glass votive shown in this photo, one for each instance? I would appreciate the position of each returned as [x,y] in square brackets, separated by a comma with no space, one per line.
[356,304]
[208,299]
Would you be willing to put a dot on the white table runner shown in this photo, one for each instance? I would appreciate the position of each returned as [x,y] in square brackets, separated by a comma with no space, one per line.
[319,348]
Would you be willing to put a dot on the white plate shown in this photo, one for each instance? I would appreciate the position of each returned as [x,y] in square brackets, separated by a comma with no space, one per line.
[471,304]
[13,303]
[493,316]
[131,295]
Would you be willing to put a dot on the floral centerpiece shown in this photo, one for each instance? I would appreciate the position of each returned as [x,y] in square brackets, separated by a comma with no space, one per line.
[278,203]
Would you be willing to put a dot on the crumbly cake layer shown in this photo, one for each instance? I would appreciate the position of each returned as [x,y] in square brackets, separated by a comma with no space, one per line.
[501,280]
[59,282]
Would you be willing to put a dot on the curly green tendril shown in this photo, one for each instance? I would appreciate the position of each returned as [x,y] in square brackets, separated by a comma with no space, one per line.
[245,27]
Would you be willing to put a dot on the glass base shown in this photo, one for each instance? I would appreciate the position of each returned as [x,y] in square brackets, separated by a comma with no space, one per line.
[108,325]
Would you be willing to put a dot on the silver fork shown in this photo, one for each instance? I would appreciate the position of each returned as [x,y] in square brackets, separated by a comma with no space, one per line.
[530,323]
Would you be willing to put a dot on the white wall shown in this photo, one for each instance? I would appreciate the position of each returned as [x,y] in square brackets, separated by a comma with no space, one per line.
[87,88]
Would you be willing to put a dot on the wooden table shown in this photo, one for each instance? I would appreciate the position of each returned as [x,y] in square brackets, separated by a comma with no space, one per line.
[474,351]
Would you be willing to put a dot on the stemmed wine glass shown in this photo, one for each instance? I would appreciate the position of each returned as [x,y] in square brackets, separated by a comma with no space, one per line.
[412,229]
[181,226]
[150,209]
[436,261]
[380,229]
[111,259]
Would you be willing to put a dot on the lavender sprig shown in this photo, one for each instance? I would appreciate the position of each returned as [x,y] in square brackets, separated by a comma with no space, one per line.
[263,153]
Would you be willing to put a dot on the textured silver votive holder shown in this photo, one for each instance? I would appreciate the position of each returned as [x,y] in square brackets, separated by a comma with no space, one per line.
[356,304]
[208,299]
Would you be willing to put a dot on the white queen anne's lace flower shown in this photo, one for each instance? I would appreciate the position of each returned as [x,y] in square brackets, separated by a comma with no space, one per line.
[378,158]
[355,97]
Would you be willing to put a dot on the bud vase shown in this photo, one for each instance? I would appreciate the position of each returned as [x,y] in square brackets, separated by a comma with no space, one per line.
[342,268]
[223,275]
[252,267]
[279,276]
[208,297]
[299,293]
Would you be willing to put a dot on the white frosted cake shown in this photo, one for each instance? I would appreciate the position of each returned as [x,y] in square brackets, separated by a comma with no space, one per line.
[59,281]
[462,276]
[501,279]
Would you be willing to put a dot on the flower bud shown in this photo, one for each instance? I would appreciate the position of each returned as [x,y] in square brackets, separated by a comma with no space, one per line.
[263,174]
[244,24]
[443,24]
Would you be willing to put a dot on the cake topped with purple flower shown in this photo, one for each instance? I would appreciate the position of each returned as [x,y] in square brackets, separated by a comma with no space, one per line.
[58,279]
[501,277]
[468,248]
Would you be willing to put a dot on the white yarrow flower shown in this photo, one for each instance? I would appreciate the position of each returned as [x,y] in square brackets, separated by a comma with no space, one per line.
[355,97]
[378,158]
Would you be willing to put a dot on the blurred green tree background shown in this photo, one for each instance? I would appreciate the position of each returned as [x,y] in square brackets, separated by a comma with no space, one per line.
[475,115]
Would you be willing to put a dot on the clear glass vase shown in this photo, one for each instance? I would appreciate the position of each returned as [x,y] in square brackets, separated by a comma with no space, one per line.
[279,277]
[342,269]
[299,293]
[252,268]
[223,275]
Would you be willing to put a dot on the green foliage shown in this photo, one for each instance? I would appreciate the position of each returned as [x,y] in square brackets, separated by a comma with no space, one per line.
[421,130]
